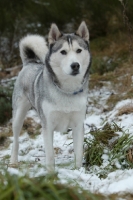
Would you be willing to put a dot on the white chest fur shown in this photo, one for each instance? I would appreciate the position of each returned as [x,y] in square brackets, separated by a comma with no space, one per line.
[64,112]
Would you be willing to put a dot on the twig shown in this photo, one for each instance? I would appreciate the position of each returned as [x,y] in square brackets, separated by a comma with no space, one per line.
[8,80]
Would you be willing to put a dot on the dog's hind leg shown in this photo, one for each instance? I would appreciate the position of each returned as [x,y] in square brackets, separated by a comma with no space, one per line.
[21,107]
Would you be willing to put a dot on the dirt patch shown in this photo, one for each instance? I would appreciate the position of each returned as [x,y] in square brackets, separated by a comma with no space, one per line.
[32,127]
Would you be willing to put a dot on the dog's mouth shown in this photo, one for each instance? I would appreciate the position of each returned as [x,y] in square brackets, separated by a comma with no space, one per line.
[74,73]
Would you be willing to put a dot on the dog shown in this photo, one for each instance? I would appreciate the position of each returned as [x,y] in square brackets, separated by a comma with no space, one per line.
[53,81]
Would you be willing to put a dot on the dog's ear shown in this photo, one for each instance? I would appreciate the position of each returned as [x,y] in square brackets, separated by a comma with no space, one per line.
[83,31]
[54,34]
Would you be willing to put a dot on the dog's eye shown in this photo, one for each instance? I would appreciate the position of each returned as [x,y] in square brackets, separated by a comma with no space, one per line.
[78,50]
[63,52]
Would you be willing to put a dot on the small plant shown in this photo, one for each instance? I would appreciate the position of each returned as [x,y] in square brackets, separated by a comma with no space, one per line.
[119,151]
[95,148]
[117,148]
[93,153]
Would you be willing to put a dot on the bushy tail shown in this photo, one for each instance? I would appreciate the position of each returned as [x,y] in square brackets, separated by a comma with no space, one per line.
[33,48]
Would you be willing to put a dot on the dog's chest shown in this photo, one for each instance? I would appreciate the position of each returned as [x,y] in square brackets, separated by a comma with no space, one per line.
[64,114]
[60,121]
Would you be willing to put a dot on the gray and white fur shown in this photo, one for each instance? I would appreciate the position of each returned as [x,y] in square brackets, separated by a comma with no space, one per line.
[53,81]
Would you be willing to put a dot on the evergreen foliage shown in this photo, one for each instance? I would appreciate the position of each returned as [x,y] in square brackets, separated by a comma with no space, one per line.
[5,104]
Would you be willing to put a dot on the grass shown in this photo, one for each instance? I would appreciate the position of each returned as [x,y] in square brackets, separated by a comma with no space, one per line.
[119,151]
[106,141]
[13,187]
[126,109]
[95,148]
[120,87]
[112,101]
[111,62]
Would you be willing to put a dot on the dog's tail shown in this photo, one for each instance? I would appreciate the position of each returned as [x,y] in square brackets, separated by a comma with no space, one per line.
[33,48]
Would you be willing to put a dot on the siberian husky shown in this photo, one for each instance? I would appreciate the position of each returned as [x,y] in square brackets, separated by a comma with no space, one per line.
[53,81]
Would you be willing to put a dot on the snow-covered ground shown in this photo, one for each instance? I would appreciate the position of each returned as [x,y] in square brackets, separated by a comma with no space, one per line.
[32,154]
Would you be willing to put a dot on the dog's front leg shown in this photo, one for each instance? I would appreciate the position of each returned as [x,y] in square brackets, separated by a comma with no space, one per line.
[49,151]
[78,138]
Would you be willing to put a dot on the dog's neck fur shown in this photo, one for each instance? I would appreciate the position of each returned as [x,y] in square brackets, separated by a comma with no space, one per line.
[70,93]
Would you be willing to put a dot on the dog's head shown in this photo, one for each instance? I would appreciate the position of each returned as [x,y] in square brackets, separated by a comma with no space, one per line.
[69,54]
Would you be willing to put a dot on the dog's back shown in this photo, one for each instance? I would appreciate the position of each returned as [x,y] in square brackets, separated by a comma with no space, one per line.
[33,50]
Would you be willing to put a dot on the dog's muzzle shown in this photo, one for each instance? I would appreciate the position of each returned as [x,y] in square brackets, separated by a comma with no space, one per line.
[75,68]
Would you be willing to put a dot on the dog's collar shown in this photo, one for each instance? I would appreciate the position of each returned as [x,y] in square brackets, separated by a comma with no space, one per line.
[72,93]
[77,92]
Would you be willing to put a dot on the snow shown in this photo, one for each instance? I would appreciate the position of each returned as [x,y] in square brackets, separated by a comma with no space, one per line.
[118,182]
[32,154]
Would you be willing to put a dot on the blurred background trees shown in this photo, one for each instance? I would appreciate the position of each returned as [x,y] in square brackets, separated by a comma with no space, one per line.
[17,18]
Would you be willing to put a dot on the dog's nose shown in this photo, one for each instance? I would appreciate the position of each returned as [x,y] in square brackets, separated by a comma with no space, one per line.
[75,66]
